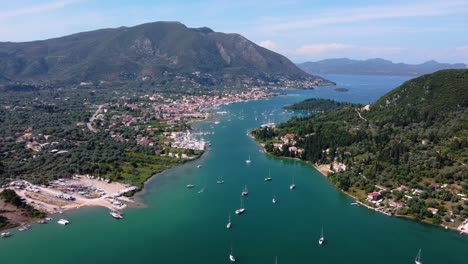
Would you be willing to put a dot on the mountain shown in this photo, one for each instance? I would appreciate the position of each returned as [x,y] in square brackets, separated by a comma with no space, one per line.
[410,147]
[375,67]
[162,53]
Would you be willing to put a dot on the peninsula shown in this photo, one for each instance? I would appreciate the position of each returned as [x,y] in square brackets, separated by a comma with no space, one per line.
[404,155]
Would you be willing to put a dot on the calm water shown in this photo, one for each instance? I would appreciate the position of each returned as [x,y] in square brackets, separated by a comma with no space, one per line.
[184,226]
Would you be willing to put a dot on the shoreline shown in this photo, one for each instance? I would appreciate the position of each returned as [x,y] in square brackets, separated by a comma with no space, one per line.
[134,201]
[316,167]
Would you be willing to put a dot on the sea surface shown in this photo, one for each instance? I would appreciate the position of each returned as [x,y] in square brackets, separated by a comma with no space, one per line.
[181,225]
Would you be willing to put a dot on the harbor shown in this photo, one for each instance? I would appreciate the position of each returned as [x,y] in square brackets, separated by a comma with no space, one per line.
[290,229]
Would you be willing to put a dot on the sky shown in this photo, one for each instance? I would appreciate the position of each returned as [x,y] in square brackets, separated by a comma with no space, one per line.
[302,30]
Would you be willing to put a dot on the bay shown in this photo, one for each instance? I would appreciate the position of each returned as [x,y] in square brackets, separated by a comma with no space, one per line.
[180,225]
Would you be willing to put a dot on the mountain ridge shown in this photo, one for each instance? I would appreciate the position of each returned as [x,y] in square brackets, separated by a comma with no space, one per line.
[159,51]
[375,66]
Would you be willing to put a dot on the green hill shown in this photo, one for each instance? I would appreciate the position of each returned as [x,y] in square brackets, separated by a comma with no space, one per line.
[411,146]
[160,53]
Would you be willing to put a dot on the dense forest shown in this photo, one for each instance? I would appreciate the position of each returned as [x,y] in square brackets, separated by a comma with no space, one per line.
[411,146]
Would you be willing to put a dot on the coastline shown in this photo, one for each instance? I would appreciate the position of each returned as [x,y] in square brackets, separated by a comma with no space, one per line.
[133,200]
[319,170]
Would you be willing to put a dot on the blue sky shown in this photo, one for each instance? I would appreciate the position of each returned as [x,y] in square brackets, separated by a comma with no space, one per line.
[402,31]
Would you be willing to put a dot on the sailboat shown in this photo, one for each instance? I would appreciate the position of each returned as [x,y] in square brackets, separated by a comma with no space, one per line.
[248,161]
[220,180]
[269,176]
[292,186]
[417,260]
[228,226]
[241,209]
[231,256]
[245,192]
[274,199]
[322,238]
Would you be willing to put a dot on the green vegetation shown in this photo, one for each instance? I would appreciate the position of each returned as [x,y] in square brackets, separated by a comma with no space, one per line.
[412,146]
[11,197]
[167,55]
[316,105]
[44,137]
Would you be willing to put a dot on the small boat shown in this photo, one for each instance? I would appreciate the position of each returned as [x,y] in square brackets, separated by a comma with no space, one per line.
[42,221]
[190,186]
[202,189]
[245,192]
[322,238]
[292,186]
[199,166]
[248,161]
[220,180]
[48,218]
[116,215]
[5,234]
[229,224]
[241,209]
[269,176]
[231,257]
[63,222]
[274,201]
[417,260]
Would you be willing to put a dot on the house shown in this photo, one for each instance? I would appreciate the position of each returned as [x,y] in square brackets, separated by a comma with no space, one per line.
[374,196]
[287,138]
[434,186]
[434,211]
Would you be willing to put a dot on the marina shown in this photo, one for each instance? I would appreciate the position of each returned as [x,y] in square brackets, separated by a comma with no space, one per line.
[290,229]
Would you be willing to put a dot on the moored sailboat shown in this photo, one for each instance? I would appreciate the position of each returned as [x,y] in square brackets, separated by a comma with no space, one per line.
[248,161]
[417,260]
[241,209]
[245,192]
[228,226]
[292,186]
[322,238]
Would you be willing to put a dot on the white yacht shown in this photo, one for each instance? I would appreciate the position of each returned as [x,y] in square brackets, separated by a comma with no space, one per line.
[63,222]
[228,226]
[248,161]
[417,260]
[245,192]
[6,234]
[116,215]
[274,200]
[241,209]
[269,176]
[322,238]
[190,186]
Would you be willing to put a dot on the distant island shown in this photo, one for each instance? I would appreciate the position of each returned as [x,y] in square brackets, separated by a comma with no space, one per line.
[316,105]
[375,67]
[341,90]
[404,155]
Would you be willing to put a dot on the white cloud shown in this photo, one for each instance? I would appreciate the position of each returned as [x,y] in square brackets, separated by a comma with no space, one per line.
[319,49]
[268,44]
[37,8]
[370,13]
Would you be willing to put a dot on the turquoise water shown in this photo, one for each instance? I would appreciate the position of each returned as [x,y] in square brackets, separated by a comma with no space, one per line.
[180,225]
